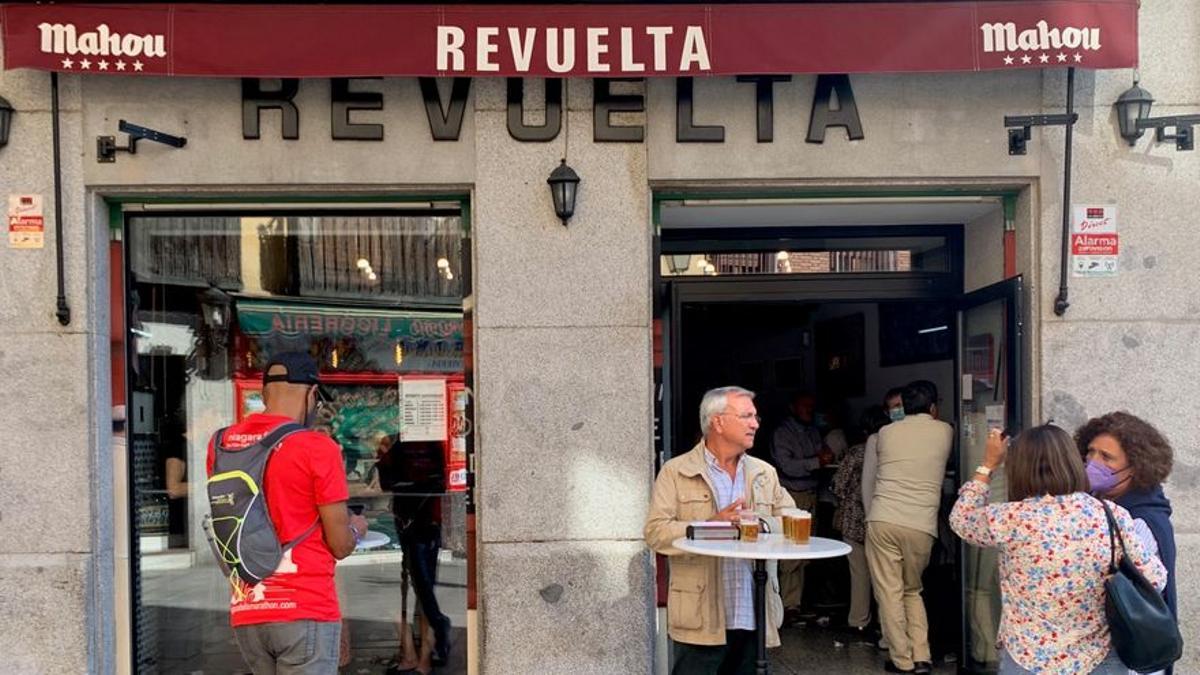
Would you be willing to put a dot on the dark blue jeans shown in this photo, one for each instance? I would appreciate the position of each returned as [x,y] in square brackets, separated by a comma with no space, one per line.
[420,544]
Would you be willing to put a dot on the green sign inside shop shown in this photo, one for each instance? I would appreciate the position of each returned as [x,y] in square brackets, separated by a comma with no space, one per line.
[372,339]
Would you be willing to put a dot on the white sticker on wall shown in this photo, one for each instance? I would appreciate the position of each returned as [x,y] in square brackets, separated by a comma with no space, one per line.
[26,224]
[1095,244]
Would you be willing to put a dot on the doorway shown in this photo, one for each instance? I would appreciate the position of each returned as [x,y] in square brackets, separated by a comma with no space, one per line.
[786,304]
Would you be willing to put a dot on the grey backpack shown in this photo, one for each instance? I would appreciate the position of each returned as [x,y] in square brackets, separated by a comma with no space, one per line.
[239,529]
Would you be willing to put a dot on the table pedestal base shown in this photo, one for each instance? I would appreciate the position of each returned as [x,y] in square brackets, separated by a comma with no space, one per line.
[761,667]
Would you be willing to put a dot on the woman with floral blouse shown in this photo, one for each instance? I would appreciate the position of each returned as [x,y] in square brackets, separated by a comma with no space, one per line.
[1054,554]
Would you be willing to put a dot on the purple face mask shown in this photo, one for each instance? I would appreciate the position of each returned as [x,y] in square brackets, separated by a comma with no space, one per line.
[1102,478]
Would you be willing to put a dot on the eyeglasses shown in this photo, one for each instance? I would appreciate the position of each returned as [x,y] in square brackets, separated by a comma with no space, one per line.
[745,417]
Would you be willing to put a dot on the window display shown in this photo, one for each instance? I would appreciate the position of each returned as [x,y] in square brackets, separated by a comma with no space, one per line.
[376,300]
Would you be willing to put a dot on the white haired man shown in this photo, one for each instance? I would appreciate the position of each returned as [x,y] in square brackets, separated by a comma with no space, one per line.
[710,604]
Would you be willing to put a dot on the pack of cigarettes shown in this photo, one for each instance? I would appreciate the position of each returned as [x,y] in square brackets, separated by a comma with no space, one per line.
[712,530]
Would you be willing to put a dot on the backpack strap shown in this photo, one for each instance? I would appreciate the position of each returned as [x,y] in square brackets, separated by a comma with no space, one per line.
[278,434]
[218,437]
[289,545]
[270,442]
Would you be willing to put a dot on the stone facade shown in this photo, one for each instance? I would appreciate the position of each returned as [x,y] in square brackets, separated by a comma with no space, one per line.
[563,314]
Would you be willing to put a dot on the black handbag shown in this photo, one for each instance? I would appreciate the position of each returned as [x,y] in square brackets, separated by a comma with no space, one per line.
[1144,632]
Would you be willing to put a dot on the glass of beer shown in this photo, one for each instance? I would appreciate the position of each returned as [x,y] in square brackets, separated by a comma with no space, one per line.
[789,523]
[801,526]
[748,525]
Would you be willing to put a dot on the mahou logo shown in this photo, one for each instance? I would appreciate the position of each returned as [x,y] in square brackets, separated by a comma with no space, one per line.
[1004,37]
[64,38]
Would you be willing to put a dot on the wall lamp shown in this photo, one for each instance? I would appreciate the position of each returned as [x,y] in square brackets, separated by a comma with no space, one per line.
[564,185]
[679,263]
[212,334]
[6,115]
[1133,118]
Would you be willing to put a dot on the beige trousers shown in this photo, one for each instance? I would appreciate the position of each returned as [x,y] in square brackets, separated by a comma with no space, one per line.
[791,572]
[896,556]
[860,586]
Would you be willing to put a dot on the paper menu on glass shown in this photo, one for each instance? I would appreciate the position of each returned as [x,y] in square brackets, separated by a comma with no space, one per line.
[422,410]
[995,416]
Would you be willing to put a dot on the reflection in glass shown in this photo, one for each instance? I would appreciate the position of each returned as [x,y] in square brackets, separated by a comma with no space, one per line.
[377,299]
[828,256]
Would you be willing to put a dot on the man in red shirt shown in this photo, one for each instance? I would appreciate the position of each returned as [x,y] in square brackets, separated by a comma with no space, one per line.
[291,622]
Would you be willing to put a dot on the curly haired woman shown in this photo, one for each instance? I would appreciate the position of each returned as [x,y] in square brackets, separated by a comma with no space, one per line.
[1127,462]
[1054,548]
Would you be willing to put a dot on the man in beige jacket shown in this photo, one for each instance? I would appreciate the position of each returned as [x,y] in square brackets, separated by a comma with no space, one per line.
[710,603]
[902,522]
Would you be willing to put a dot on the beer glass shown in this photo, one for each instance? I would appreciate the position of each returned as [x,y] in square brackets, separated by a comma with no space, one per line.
[789,524]
[801,526]
[748,525]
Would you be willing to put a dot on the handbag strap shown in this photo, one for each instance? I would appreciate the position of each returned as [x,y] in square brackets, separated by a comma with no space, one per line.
[1114,536]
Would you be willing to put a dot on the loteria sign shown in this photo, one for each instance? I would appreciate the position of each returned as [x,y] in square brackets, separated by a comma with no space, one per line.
[559,40]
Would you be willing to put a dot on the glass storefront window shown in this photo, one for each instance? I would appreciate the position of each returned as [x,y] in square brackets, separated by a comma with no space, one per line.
[377,300]
[818,256]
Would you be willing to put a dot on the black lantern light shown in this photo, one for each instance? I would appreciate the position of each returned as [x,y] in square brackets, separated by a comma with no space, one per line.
[6,115]
[214,305]
[564,184]
[211,353]
[1133,105]
[679,263]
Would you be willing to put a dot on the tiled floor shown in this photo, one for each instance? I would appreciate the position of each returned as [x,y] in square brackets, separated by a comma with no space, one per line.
[812,650]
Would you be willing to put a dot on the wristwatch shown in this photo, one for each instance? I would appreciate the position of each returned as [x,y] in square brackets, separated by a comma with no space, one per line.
[983,470]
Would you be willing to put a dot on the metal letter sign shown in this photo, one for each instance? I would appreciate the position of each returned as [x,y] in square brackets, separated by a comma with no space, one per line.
[255,100]
[846,114]
[516,112]
[445,122]
[605,103]
[764,96]
[685,130]
[342,101]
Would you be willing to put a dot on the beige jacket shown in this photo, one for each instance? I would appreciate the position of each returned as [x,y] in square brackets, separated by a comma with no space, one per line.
[912,456]
[683,493]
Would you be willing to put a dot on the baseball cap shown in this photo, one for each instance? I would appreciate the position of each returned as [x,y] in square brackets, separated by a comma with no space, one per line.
[299,368]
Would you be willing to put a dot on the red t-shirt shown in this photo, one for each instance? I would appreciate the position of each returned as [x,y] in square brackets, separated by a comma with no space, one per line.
[304,472]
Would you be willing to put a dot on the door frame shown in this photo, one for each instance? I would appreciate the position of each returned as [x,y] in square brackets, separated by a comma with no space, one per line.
[855,287]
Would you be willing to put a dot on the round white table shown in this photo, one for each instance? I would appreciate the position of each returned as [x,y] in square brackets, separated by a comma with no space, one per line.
[768,547]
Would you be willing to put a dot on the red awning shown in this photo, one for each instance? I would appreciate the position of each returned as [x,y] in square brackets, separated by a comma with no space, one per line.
[568,40]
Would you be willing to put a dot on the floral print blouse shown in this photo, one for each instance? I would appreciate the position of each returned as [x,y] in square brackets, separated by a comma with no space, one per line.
[1054,554]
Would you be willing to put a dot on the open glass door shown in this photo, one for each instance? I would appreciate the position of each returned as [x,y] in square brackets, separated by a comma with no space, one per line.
[990,326]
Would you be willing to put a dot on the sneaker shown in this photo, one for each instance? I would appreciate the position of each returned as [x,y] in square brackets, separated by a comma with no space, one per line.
[891,667]
[923,667]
